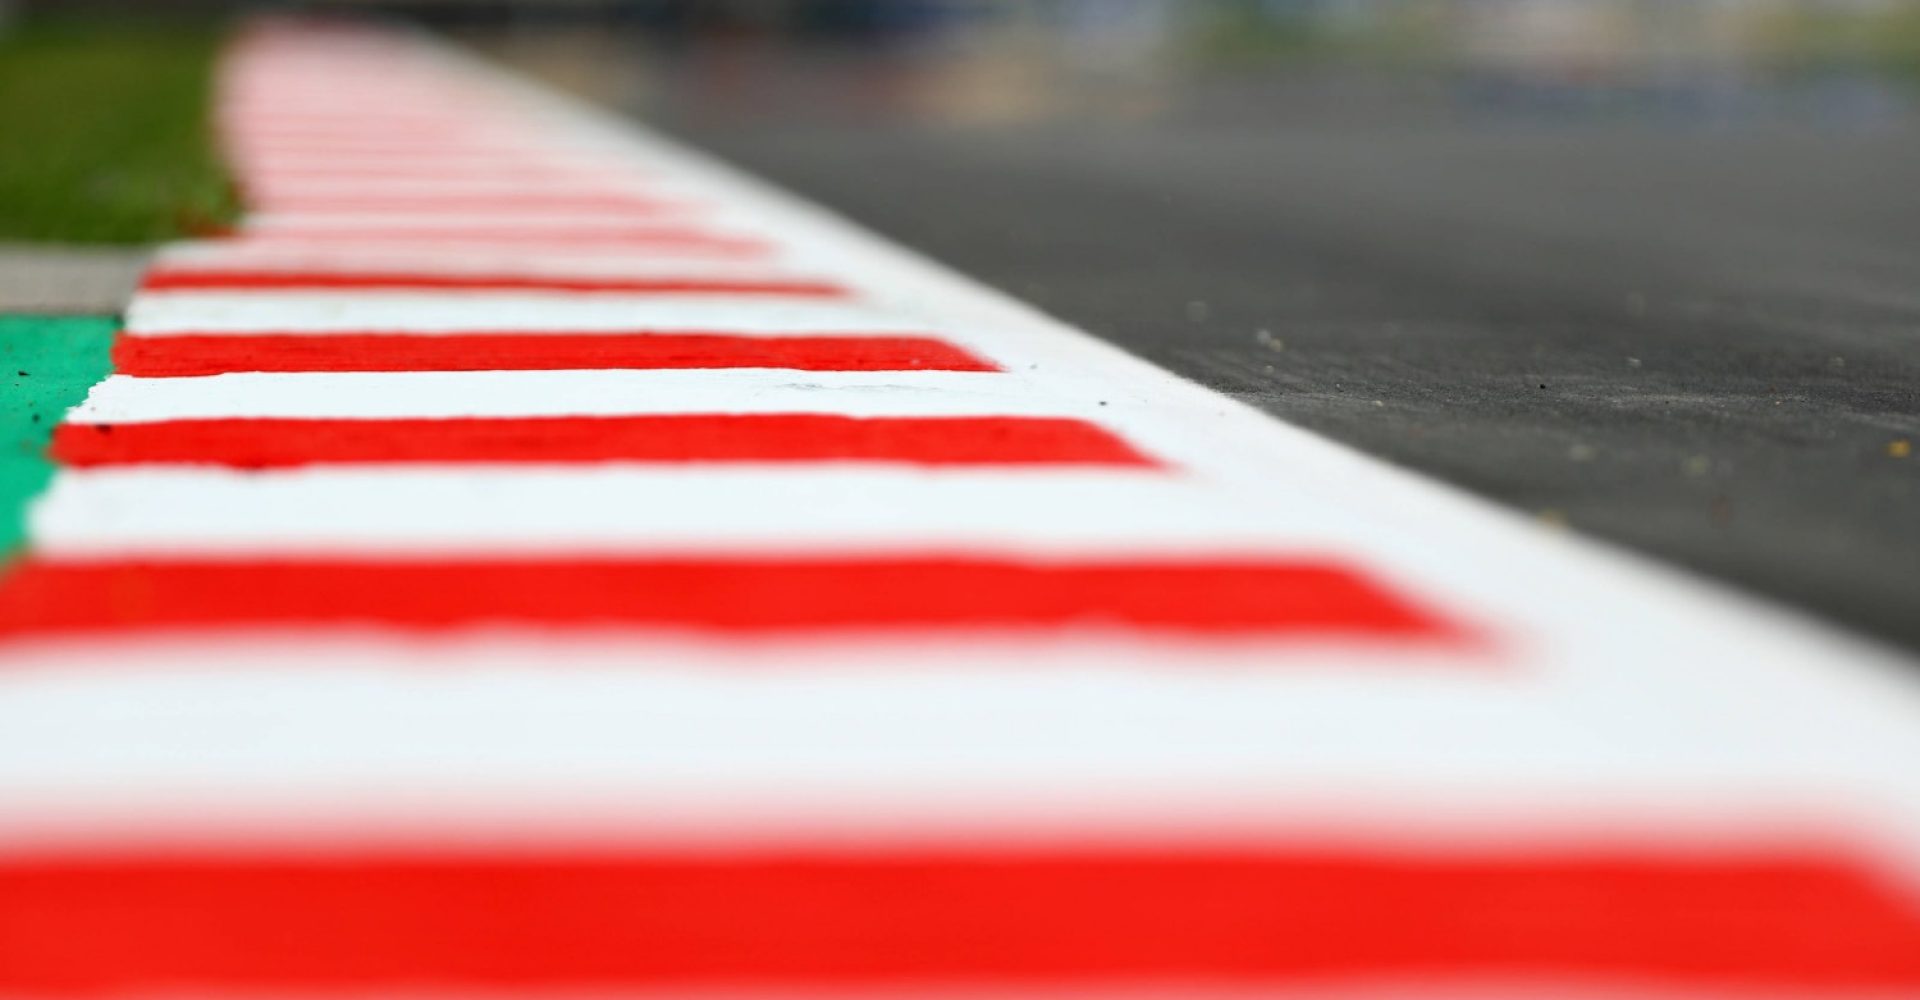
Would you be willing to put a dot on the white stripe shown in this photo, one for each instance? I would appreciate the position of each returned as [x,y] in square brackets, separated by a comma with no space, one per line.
[665,740]
[454,160]
[320,185]
[666,215]
[817,507]
[127,399]
[557,173]
[524,249]
[401,312]
[348,147]
[381,257]
[259,137]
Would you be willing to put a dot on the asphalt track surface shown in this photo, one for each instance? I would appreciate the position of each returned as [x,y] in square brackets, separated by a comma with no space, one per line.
[1697,339]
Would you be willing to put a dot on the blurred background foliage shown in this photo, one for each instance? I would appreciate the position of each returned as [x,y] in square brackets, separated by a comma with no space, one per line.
[107,131]
[104,102]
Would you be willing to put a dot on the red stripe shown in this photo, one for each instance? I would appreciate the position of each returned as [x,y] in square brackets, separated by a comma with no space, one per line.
[751,437]
[362,922]
[364,352]
[733,595]
[189,280]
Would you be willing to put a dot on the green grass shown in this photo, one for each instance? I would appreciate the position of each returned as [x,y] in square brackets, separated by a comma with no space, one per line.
[47,364]
[106,136]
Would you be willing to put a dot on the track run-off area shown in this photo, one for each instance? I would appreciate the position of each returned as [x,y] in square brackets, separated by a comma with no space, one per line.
[530,558]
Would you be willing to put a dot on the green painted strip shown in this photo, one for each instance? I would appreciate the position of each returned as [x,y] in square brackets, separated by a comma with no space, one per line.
[47,364]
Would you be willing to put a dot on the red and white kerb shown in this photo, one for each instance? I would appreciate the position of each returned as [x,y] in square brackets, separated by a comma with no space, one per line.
[527,559]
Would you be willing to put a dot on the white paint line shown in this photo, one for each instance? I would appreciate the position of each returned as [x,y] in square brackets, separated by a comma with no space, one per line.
[320,184]
[663,738]
[476,312]
[127,399]
[348,221]
[365,258]
[719,507]
[492,247]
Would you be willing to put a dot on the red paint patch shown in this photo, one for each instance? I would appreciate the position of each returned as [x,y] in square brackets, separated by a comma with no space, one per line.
[730,595]
[234,280]
[753,437]
[390,923]
[368,352]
